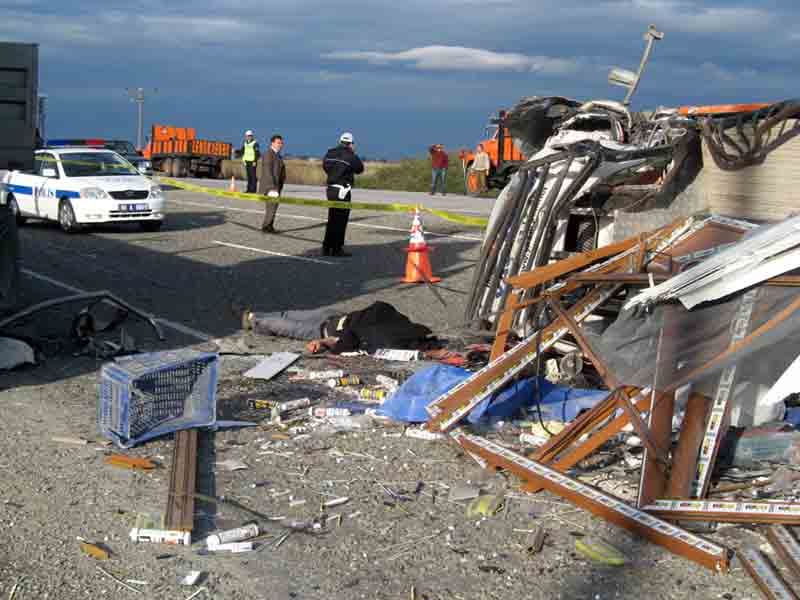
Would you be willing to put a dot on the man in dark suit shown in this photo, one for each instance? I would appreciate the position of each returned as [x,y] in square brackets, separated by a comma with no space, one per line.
[340,164]
[271,180]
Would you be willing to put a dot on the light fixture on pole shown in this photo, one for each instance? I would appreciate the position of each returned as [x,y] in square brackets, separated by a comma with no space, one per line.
[629,79]
[137,95]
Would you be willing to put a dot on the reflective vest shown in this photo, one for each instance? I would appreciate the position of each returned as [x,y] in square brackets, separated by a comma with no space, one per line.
[249,154]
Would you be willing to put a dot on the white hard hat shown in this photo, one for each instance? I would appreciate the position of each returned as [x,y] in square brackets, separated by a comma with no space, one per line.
[249,132]
[346,137]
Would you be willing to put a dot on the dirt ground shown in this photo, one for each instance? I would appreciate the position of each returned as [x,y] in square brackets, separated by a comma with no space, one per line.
[398,536]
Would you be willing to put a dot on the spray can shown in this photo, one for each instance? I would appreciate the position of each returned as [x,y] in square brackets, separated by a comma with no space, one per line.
[232,535]
[344,381]
[161,536]
[328,411]
[373,394]
[324,374]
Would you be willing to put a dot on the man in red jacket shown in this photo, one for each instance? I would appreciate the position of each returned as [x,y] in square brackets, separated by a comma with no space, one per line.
[439,164]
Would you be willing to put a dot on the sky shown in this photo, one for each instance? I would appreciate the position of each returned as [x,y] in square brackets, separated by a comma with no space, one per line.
[399,75]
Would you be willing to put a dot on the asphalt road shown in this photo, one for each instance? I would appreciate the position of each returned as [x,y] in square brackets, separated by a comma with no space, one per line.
[211,256]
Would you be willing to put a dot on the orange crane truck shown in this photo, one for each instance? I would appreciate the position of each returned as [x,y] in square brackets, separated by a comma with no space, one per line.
[503,163]
[176,151]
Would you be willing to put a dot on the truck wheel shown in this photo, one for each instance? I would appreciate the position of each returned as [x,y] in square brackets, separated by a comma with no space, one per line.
[14,208]
[66,217]
[177,167]
[166,167]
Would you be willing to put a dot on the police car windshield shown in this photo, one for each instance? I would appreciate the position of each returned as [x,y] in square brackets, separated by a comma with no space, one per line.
[95,164]
[121,147]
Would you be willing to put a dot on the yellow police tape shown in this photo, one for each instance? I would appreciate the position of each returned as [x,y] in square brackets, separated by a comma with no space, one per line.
[382,207]
[389,207]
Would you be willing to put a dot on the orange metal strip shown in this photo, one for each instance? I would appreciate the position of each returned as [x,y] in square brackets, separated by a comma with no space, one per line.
[600,503]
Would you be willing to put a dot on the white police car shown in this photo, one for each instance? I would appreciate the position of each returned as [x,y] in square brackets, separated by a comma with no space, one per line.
[84,186]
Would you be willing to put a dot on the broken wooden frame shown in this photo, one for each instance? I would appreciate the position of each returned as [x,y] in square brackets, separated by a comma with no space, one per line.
[765,575]
[600,503]
[726,511]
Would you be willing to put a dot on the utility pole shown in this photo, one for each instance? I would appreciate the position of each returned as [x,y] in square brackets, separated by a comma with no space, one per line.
[137,95]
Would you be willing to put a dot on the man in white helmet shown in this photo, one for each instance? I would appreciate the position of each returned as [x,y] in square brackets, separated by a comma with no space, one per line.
[340,164]
[250,155]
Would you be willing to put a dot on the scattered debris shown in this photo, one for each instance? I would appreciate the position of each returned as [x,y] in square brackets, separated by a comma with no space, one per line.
[270,367]
[600,551]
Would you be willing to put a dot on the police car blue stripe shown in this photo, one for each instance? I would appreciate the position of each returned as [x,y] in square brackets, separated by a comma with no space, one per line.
[20,189]
[67,194]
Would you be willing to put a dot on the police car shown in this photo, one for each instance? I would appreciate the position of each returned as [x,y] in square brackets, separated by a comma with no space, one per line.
[84,186]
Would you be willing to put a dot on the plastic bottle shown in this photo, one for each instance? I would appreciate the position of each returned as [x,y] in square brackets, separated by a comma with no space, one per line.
[233,535]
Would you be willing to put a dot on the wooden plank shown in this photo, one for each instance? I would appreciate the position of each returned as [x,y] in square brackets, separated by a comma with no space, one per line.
[684,459]
[179,514]
[449,408]
[573,456]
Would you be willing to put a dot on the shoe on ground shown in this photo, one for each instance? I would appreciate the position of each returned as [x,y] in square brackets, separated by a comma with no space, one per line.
[326,251]
[268,229]
[340,253]
[431,193]
[247,320]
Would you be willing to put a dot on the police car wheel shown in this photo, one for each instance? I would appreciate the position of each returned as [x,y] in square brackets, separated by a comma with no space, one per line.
[66,217]
[12,204]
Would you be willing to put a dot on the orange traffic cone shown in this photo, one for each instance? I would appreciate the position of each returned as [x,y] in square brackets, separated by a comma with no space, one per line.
[418,267]
[232,186]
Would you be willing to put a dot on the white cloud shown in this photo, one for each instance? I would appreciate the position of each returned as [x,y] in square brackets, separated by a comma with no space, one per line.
[685,15]
[459,58]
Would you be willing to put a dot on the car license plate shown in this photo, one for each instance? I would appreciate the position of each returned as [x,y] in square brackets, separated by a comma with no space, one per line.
[134,207]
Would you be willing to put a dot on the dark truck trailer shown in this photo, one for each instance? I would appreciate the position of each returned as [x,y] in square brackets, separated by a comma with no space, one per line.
[176,152]
[19,78]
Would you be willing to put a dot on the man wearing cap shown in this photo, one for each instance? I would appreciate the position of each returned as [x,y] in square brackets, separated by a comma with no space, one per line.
[250,155]
[439,163]
[340,164]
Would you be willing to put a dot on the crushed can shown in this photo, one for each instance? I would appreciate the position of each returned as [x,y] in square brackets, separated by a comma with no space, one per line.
[373,394]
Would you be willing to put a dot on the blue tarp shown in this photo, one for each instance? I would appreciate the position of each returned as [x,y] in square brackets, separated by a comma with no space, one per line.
[558,403]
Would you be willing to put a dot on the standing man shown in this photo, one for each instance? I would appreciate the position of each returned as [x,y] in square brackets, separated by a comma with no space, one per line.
[271,180]
[439,163]
[340,164]
[481,166]
[250,155]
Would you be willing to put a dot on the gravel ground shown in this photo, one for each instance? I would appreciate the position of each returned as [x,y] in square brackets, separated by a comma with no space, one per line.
[381,547]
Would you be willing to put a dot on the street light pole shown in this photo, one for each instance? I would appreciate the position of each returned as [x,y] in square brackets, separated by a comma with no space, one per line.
[137,95]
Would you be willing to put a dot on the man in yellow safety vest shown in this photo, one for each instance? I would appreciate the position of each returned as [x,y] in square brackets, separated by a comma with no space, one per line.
[250,155]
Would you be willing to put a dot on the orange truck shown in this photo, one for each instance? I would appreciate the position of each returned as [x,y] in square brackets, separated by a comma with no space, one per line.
[176,151]
[503,164]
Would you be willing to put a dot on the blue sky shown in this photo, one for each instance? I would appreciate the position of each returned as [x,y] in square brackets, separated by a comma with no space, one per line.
[400,76]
